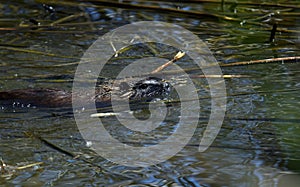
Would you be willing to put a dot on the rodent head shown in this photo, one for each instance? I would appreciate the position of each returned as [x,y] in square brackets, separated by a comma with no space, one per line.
[150,88]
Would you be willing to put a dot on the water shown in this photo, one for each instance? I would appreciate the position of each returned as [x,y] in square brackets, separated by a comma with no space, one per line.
[258,144]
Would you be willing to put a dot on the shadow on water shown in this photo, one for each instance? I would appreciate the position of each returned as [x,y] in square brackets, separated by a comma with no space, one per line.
[258,144]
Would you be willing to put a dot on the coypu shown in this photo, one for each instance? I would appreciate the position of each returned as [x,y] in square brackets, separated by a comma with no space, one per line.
[143,90]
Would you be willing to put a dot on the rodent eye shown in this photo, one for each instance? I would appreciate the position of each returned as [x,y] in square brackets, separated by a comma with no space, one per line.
[144,86]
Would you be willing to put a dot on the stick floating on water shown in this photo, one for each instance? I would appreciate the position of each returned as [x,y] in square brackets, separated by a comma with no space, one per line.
[178,56]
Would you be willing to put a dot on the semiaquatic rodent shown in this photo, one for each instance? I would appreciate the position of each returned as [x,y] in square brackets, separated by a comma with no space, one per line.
[146,89]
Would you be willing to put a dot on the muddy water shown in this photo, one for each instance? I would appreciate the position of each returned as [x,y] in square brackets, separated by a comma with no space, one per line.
[258,144]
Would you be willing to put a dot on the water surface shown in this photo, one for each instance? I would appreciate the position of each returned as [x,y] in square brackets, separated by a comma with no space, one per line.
[258,144]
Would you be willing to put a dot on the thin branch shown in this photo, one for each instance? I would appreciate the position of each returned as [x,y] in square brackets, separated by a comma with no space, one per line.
[29,165]
[220,76]
[178,56]
[243,63]
[269,60]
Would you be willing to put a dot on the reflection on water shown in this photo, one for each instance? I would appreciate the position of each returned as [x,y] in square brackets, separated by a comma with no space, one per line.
[258,144]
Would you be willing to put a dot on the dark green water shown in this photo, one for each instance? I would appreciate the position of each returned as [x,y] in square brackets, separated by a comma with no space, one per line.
[258,144]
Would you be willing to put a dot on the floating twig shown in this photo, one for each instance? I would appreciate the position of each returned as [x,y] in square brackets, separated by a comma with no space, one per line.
[29,165]
[269,60]
[219,76]
[104,114]
[178,56]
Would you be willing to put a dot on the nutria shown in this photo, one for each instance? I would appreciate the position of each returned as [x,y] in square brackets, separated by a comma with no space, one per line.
[146,90]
